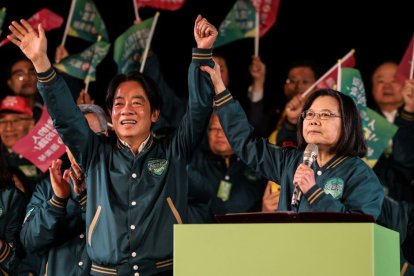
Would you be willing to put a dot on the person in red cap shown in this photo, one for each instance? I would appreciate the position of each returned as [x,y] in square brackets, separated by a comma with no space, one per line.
[16,120]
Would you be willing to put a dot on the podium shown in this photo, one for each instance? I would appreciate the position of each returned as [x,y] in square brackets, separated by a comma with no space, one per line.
[304,249]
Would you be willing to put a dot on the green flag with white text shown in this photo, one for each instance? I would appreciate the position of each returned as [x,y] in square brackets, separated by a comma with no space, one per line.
[239,23]
[86,22]
[84,64]
[130,45]
[378,132]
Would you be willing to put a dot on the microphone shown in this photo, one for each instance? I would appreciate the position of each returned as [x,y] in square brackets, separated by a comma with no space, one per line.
[309,156]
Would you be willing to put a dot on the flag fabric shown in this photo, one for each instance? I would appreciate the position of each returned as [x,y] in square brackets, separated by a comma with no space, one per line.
[84,64]
[130,46]
[171,5]
[46,17]
[377,130]
[2,16]
[403,70]
[86,22]
[330,80]
[267,10]
[239,23]
[42,144]
[378,133]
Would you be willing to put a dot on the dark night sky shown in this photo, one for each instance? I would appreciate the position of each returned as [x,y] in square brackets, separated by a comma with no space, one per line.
[304,29]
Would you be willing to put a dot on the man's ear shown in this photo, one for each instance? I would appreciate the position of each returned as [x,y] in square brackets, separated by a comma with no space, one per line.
[154,115]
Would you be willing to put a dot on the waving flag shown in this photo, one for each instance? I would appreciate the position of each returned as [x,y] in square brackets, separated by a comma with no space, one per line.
[161,4]
[42,144]
[130,45]
[267,10]
[239,23]
[84,64]
[377,130]
[405,68]
[2,16]
[329,80]
[86,22]
[46,17]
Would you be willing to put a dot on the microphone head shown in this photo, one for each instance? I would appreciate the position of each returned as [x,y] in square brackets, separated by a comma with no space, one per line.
[310,153]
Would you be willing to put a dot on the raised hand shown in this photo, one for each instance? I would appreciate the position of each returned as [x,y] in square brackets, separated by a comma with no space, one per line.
[408,95]
[270,199]
[294,108]
[60,183]
[215,76]
[205,34]
[32,43]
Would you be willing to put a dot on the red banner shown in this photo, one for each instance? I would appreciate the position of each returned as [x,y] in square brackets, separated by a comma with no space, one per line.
[267,13]
[330,80]
[46,17]
[403,71]
[42,144]
[171,5]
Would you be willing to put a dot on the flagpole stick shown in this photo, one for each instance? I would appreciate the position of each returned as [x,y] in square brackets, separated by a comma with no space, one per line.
[147,46]
[412,64]
[88,76]
[70,16]
[136,10]
[87,81]
[257,37]
[339,77]
[346,57]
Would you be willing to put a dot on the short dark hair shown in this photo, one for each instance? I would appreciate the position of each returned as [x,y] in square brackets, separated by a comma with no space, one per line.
[351,142]
[150,88]
[15,60]
[304,63]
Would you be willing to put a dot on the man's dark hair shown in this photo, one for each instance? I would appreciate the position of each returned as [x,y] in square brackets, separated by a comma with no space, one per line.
[150,88]
[351,141]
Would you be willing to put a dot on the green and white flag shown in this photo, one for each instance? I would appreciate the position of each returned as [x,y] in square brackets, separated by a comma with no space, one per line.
[239,23]
[130,45]
[378,132]
[86,22]
[2,16]
[84,64]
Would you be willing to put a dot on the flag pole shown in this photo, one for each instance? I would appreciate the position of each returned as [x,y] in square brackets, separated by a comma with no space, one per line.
[412,64]
[148,44]
[88,77]
[136,10]
[346,57]
[70,16]
[257,37]
[339,77]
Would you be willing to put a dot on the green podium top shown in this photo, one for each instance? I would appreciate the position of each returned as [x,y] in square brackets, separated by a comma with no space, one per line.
[347,249]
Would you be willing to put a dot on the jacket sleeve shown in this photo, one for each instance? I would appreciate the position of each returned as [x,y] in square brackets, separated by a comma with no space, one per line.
[194,122]
[44,212]
[67,118]
[263,157]
[11,252]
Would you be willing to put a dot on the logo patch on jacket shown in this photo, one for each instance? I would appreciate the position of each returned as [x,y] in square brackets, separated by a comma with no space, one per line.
[157,167]
[334,187]
[1,211]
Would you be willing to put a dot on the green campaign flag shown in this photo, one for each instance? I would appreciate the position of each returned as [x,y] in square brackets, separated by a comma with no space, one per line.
[84,64]
[239,23]
[377,130]
[130,45]
[86,22]
[2,16]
